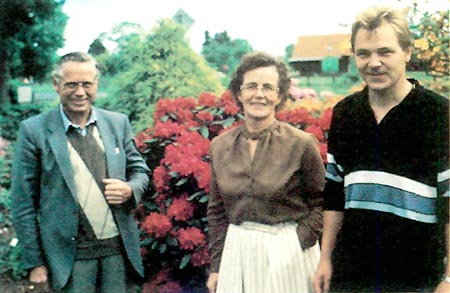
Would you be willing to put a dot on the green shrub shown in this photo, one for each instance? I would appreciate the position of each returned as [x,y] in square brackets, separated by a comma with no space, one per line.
[11,115]
[10,263]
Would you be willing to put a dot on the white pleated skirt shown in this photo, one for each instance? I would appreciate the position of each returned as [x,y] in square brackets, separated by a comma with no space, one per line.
[260,258]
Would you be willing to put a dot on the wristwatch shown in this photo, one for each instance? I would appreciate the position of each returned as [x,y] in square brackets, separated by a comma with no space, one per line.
[446,278]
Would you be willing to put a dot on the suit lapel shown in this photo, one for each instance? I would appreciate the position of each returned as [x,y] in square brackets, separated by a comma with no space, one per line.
[111,144]
[58,143]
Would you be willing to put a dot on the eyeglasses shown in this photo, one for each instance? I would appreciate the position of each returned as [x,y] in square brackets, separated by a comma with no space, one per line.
[265,88]
[73,85]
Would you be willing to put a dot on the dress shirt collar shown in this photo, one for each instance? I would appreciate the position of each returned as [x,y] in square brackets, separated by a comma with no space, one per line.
[68,123]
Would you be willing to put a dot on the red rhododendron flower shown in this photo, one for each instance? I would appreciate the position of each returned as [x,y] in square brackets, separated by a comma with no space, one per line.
[228,103]
[205,116]
[185,103]
[231,109]
[198,144]
[186,156]
[191,237]
[298,116]
[140,139]
[200,257]
[159,178]
[170,287]
[282,115]
[182,159]
[184,115]
[160,200]
[317,131]
[144,251]
[203,176]
[162,282]
[164,107]
[181,209]
[157,224]
[167,129]
[207,100]
[325,119]
[226,98]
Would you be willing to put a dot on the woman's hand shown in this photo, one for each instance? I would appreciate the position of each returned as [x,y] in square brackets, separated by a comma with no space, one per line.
[322,277]
[212,282]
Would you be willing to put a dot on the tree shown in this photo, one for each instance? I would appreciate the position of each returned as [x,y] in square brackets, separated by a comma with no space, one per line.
[30,33]
[288,52]
[223,53]
[154,65]
[97,48]
[431,40]
[432,46]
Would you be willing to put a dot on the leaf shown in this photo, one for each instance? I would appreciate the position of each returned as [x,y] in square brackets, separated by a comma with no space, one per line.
[228,121]
[195,195]
[162,248]
[168,201]
[220,111]
[182,181]
[193,128]
[204,132]
[146,241]
[164,118]
[150,141]
[184,261]
[204,199]
[172,241]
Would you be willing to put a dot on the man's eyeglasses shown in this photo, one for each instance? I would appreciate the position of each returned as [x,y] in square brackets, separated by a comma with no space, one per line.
[265,88]
[73,85]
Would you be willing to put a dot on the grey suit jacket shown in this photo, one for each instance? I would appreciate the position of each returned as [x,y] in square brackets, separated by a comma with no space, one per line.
[45,209]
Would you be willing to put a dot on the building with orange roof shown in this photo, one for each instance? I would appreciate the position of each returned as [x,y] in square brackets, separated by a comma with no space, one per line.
[311,51]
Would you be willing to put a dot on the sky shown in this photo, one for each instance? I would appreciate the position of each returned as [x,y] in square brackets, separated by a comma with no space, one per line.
[268,26]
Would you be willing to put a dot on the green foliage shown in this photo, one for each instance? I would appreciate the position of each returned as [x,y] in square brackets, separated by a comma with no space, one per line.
[432,46]
[11,115]
[10,263]
[288,53]
[97,48]
[6,152]
[30,34]
[431,41]
[154,65]
[223,53]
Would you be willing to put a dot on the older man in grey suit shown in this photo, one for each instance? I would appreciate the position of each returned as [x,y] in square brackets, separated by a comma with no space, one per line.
[77,177]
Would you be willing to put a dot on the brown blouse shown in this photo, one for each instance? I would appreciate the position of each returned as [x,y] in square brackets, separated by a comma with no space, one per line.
[283,183]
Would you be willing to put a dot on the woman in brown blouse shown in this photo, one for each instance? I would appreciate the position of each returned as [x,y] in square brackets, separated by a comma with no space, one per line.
[264,208]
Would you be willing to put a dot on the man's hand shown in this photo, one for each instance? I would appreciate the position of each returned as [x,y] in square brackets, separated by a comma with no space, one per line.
[212,282]
[117,191]
[38,275]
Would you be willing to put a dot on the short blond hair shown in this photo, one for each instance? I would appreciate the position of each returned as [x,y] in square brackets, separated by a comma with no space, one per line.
[372,18]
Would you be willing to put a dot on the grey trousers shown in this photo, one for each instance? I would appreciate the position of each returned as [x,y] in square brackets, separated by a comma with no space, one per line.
[105,275]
